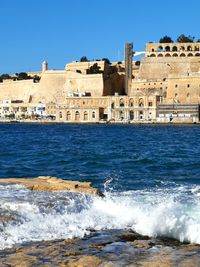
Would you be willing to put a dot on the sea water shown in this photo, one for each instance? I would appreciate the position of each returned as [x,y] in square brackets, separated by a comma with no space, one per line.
[149,175]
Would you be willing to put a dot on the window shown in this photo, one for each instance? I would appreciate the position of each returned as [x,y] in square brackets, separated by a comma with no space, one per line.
[131,102]
[93,114]
[176,85]
[121,102]
[141,115]
[60,115]
[68,116]
[174,48]
[85,117]
[141,102]
[77,116]
[121,115]
[188,86]
[150,104]
[131,115]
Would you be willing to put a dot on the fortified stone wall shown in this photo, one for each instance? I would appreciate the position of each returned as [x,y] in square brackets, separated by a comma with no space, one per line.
[18,90]
[184,90]
[80,83]
[159,68]
[84,66]
[51,83]
[114,84]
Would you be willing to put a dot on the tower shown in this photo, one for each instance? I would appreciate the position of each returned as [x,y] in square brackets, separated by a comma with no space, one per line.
[128,66]
[44,66]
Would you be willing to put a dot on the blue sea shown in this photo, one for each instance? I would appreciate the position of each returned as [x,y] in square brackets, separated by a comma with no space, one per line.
[150,175]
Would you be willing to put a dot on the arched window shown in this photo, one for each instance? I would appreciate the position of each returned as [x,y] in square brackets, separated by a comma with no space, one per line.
[175,55]
[141,114]
[182,55]
[131,115]
[121,115]
[121,102]
[182,48]
[160,55]
[93,114]
[174,48]
[131,102]
[160,49]
[189,48]
[197,55]
[167,48]
[68,116]
[196,48]
[141,102]
[152,55]
[150,103]
[85,116]
[152,50]
[113,105]
[168,55]
[60,114]
[190,55]
[77,116]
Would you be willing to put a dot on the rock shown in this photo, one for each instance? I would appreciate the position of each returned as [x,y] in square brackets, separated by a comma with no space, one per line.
[146,244]
[132,236]
[48,183]
[85,261]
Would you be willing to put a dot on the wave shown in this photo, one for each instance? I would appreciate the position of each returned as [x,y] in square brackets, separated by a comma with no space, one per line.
[35,216]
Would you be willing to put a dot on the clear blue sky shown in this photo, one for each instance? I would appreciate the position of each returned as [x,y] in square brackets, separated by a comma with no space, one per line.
[61,31]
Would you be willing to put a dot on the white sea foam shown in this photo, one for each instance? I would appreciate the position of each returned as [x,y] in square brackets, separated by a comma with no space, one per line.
[39,216]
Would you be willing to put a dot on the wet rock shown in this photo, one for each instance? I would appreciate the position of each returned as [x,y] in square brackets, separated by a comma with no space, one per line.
[145,244]
[85,261]
[132,236]
[103,249]
[48,183]
[21,260]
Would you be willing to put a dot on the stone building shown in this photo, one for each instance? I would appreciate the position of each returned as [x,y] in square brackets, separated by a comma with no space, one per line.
[172,72]
[165,87]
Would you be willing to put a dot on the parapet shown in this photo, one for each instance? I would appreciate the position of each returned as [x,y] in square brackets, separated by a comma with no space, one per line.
[172,50]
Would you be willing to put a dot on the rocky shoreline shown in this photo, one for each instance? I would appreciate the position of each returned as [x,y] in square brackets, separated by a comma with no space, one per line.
[113,248]
[49,184]
[105,248]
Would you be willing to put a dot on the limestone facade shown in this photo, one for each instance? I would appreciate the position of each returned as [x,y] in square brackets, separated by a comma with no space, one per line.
[119,108]
[166,81]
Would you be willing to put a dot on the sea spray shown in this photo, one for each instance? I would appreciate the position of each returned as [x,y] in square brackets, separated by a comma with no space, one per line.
[35,216]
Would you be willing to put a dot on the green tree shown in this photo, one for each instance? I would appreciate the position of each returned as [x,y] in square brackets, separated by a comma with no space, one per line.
[166,39]
[185,39]
[36,78]
[137,63]
[94,69]
[106,60]
[23,76]
[84,59]
[5,76]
